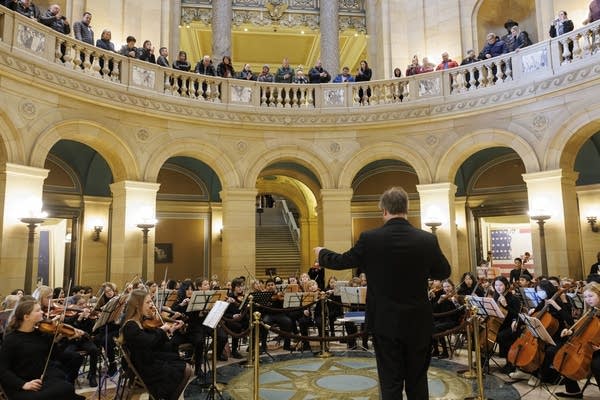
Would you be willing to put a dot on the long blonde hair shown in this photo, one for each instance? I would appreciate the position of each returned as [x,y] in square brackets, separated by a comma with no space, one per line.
[23,308]
[134,310]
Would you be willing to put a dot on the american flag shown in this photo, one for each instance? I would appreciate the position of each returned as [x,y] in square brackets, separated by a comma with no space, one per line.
[501,244]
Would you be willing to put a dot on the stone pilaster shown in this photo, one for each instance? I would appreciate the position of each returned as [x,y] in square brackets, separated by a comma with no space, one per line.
[93,270]
[330,39]
[589,206]
[239,232]
[336,222]
[174,7]
[554,193]
[437,203]
[222,15]
[18,183]
[132,203]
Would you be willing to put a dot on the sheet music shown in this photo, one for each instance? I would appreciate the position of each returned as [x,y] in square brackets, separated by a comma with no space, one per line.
[530,297]
[215,314]
[353,295]
[338,287]
[292,299]
[536,328]
[486,306]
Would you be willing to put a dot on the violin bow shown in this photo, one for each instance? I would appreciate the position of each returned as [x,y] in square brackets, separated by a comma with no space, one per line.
[62,318]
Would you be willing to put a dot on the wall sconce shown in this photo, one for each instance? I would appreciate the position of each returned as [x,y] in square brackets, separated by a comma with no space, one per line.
[592,221]
[221,235]
[433,225]
[540,217]
[97,230]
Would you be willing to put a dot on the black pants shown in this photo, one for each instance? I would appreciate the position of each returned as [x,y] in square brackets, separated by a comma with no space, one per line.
[402,366]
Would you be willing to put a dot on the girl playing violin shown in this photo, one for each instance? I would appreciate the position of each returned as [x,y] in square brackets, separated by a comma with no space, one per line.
[162,370]
[444,304]
[23,357]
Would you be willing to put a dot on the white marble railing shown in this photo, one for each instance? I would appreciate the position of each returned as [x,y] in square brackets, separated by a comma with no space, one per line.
[288,217]
[543,59]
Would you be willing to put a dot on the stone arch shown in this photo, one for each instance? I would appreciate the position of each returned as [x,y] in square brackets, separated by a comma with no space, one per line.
[490,15]
[471,143]
[200,150]
[11,145]
[380,151]
[570,137]
[289,153]
[121,161]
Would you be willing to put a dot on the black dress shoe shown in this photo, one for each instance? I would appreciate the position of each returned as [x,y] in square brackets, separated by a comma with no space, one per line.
[93,382]
[577,395]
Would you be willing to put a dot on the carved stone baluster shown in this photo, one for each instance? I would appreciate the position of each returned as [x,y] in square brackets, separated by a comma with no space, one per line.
[275,97]
[207,93]
[186,88]
[69,56]
[454,84]
[264,93]
[87,64]
[578,51]
[167,87]
[508,71]
[95,70]
[405,95]
[115,75]
[596,44]
[105,69]
[216,93]
[566,54]
[486,74]
[472,80]
[58,51]
[301,97]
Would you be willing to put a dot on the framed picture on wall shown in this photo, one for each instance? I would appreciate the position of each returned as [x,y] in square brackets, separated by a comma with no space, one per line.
[163,253]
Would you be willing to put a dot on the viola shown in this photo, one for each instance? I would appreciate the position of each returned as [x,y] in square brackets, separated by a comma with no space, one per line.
[574,358]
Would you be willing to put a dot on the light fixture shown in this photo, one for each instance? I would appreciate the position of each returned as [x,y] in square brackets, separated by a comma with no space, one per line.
[541,216]
[97,229]
[221,235]
[433,225]
[592,221]
[145,226]
[35,216]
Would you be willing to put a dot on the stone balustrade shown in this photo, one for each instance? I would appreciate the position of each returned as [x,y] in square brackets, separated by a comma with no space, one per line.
[24,37]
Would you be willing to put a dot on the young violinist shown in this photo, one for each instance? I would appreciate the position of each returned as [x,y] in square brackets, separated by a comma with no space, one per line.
[23,357]
[106,334]
[444,303]
[507,332]
[237,320]
[469,286]
[275,315]
[518,271]
[163,372]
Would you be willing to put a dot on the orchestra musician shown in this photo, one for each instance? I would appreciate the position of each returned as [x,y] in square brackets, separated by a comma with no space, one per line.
[591,295]
[507,331]
[23,357]
[561,311]
[310,316]
[334,307]
[469,286]
[163,372]
[518,271]
[238,319]
[444,302]
[271,317]
[350,326]
[105,335]
[318,274]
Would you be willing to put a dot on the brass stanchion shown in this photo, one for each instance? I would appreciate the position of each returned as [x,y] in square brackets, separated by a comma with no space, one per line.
[481,395]
[214,391]
[256,352]
[250,360]
[324,353]
[469,373]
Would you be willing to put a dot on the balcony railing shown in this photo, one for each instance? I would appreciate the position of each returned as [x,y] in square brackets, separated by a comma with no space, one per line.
[541,60]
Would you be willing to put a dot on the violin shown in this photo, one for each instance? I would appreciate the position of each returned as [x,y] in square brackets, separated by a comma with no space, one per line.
[278,296]
[53,328]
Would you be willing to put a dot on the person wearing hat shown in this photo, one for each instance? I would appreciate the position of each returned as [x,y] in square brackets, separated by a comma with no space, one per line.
[265,75]
[509,38]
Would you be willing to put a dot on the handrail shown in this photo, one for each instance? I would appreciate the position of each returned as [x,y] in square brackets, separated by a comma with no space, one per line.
[290,221]
[434,90]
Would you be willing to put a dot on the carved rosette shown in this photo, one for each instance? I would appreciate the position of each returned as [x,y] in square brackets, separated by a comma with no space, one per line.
[241,147]
[335,148]
[539,124]
[142,135]
[27,109]
[432,140]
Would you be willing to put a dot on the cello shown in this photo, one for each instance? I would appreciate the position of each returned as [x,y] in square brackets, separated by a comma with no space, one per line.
[526,352]
[574,358]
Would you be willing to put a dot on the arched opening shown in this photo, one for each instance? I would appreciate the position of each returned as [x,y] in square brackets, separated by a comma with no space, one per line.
[491,16]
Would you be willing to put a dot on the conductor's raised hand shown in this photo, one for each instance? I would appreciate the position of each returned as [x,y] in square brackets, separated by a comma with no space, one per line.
[317,250]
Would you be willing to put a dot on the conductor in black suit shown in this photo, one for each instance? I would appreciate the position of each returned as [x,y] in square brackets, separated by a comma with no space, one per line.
[398,260]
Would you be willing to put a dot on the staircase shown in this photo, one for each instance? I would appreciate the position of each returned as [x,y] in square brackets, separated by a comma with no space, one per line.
[275,247]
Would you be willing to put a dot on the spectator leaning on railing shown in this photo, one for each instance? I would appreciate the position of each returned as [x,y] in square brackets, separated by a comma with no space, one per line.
[82,29]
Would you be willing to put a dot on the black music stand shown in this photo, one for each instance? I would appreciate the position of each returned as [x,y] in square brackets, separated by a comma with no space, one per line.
[486,307]
[530,297]
[110,312]
[264,299]
[354,296]
[161,296]
[211,321]
[202,301]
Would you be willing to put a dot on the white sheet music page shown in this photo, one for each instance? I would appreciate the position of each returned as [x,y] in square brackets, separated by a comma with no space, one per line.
[215,314]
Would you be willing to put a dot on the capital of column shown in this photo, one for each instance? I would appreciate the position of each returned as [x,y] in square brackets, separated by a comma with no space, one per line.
[18,183]
[337,194]
[551,176]
[238,194]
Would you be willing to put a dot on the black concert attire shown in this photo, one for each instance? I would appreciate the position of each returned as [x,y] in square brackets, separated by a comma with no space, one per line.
[84,344]
[352,329]
[464,290]
[401,321]
[594,268]
[275,318]
[196,333]
[334,309]
[22,359]
[443,323]
[236,326]
[506,337]
[516,273]
[161,369]
[105,335]
[312,319]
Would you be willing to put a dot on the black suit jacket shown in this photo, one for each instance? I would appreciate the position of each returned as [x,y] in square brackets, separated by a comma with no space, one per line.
[398,260]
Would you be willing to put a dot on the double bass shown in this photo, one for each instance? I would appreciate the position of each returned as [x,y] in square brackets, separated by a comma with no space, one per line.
[574,358]
[527,352]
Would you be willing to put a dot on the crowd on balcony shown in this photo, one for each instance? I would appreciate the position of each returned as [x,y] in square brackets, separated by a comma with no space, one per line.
[495,45]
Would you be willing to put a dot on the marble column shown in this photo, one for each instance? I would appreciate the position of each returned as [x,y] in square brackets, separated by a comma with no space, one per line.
[330,35]
[335,217]
[553,192]
[375,54]
[94,251]
[222,15]
[173,33]
[18,183]
[238,248]
[437,204]
[132,203]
